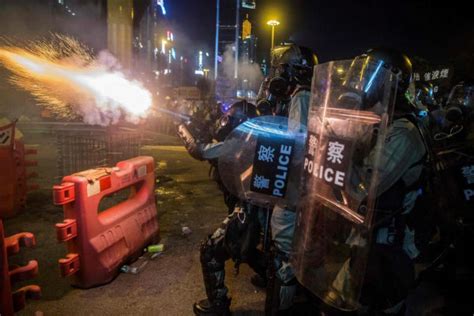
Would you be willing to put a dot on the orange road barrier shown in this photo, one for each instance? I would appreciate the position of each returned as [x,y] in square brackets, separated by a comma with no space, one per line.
[100,242]
[13,172]
[11,302]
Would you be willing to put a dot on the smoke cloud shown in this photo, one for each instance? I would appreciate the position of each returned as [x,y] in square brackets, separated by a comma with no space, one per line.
[250,72]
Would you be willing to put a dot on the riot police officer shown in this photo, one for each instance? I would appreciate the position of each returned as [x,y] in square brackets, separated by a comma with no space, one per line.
[239,234]
[363,170]
[296,68]
[404,156]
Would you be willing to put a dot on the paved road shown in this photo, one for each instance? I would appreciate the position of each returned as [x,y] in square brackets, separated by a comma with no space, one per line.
[168,285]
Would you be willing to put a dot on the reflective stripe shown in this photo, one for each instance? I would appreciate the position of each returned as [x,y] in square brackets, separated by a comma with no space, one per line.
[98,186]
[93,188]
[141,171]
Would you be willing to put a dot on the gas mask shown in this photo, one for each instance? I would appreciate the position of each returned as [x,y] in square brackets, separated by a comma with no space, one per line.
[277,97]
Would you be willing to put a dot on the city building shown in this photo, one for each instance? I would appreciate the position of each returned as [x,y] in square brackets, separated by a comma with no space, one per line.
[140,35]
[120,15]
[248,43]
[235,50]
[248,73]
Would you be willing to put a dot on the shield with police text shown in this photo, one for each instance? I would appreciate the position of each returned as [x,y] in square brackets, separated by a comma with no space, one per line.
[352,102]
[261,161]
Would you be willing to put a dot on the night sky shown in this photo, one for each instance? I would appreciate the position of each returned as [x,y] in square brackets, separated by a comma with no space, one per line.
[341,29]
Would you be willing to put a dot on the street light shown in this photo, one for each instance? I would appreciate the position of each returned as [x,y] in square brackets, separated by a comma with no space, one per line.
[273,23]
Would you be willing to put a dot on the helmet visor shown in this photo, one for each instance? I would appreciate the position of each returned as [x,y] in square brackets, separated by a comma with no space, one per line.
[365,75]
[364,83]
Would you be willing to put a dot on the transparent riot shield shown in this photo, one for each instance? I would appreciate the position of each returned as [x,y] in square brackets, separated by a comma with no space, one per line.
[261,161]
[351,104]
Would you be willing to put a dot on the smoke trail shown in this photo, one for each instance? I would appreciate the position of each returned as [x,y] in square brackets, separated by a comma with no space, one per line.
[248,72]
[65,77]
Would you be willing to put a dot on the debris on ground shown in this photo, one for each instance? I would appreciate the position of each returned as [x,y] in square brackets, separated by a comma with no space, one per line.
[162,179]
[154,248]
[186,230]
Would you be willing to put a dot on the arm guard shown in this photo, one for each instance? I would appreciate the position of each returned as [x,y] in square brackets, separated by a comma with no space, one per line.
[198,150]
[190,142]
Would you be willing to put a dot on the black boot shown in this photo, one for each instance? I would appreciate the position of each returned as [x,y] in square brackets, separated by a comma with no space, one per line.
[216,308]
[213,257]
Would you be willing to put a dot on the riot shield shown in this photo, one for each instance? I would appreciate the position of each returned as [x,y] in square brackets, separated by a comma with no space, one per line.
[261,161]
[351,104]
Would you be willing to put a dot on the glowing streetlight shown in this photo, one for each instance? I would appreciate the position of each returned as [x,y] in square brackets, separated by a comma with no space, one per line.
[273,23]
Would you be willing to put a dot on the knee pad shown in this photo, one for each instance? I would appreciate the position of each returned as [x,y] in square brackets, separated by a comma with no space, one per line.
[283,270]
[209,256]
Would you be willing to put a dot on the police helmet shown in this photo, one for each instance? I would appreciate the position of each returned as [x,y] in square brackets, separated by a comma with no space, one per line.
[238,113]
[460,102]
[424,94]
[293,62]
[397,62]
[366,75]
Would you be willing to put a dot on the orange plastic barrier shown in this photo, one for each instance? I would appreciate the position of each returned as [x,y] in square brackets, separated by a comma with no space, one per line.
[13,302]
[13,172]
[20,154]
[7,171]
[99,243]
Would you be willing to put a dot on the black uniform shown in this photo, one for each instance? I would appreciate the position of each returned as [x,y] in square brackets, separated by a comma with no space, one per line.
[238,236]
